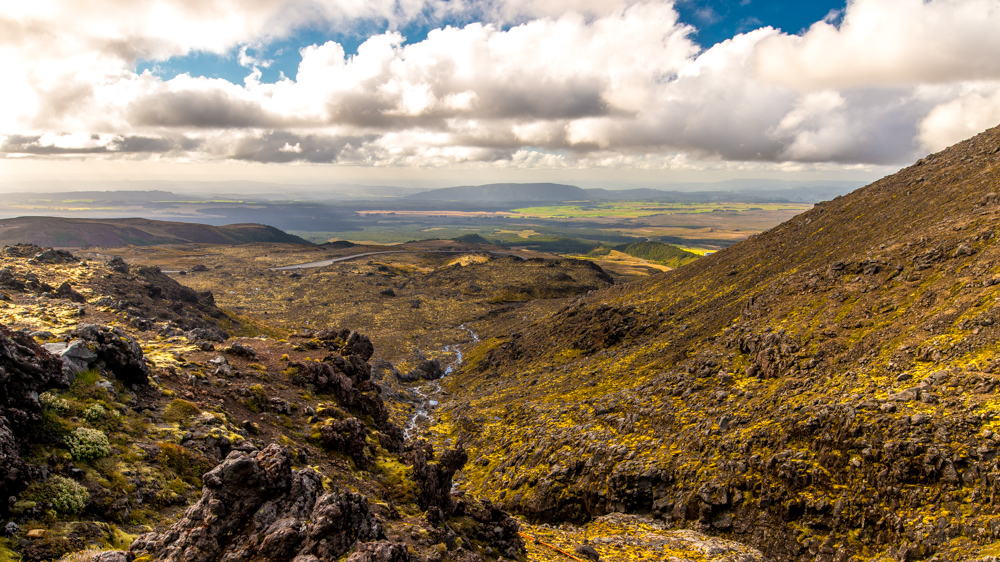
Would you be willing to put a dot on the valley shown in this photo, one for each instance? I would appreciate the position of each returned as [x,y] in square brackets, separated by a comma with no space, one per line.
[823,391]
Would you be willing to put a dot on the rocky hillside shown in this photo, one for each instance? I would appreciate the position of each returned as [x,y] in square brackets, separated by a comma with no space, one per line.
[823,391]
[77,233]
[141,422]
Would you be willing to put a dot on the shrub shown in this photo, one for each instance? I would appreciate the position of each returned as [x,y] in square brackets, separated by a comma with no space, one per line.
[180,410]
[87,444]
[67,495]
[54,404]
[95,413]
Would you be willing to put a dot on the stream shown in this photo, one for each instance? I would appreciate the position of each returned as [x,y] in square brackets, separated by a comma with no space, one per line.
[430,393]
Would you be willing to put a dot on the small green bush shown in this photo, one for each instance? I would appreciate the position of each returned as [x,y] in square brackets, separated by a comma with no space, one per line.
[54,404]
[88,444]
[84,385]
[67,495]
[63,494]
[94,413]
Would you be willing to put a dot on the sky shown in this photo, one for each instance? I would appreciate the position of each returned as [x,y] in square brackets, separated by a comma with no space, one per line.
[436,92]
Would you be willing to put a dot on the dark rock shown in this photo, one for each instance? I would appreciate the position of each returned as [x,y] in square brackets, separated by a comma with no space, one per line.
[26,369]
[118,353]
[199,268]
[427,369]
[117,264]
[434,478]
[588,552]
[9,281]
[67,292]
[255,507]
[50,255]
[240,350]
[387,292]
[347,342]
[207,334]
[381,551]
[21,250]
[347,437]
[382,369]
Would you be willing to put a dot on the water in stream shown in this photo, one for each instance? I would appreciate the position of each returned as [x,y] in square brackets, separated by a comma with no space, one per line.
[430,393]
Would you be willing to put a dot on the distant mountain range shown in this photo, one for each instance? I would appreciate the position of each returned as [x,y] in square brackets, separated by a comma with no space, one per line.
[748,191]
[76,233]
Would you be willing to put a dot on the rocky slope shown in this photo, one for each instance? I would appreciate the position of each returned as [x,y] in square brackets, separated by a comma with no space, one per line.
[823,391]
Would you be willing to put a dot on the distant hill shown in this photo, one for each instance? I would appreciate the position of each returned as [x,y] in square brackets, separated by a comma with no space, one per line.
[658,252]
[504,192]
[737,192]
[66,232]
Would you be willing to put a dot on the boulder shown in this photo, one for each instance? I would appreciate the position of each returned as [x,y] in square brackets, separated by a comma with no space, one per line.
[76,356]
[118,265]
[50,255]
[65,291]
[427,369]
[117,352]
[255,507]
[240,350]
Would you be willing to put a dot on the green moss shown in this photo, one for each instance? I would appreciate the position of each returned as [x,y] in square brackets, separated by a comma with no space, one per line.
[180,410]
[7,554]
[186,464]
[257,400]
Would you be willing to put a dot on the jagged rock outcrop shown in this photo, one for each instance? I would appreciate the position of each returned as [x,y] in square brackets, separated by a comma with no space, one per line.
[347,342]
[434,478]
[348,437]
[115,351]
[147,295]
[255,507]
[349,379]
[26,369]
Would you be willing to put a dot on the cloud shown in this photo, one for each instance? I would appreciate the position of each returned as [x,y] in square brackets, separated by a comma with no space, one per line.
[287,147]
[889,43]
[198,103]
[961,118]
[554,83]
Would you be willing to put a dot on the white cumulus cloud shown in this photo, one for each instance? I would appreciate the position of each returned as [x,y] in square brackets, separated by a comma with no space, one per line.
[552,83]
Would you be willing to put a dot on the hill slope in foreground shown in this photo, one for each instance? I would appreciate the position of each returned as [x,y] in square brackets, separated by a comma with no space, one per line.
[823,391]
[67,232]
